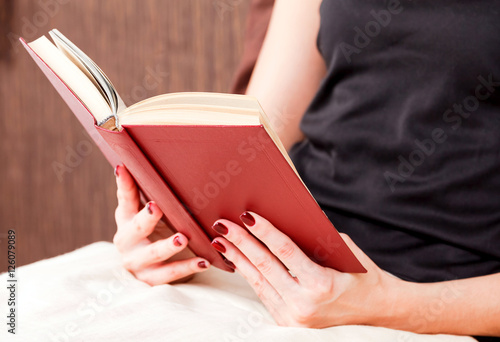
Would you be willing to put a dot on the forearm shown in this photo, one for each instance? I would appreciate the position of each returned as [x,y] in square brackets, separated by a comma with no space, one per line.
[460,307]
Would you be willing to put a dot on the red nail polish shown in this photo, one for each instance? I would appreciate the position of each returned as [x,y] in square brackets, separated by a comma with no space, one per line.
[177,241]
[247,219]
[202,264]
[116,171]
[220,228]
[230,264]
[219,246]
[150,209]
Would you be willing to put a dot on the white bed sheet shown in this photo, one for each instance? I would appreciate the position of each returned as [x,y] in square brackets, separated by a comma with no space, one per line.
[86,295]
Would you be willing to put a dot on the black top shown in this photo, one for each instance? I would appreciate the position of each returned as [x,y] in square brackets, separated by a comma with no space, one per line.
[402,146]
[403,137]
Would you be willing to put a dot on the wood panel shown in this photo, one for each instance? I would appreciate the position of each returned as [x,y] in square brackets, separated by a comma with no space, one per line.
[146,47]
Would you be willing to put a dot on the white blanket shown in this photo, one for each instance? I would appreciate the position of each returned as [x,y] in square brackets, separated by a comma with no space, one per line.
[86,295]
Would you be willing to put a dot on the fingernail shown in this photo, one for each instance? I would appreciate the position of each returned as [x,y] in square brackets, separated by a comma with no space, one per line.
[202,264]
[177,241]
[219,246]
[116,171]
[220,228]
[149,206]
[230,264]
[247,219]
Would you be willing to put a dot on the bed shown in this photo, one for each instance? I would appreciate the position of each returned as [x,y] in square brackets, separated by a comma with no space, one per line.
[86,295]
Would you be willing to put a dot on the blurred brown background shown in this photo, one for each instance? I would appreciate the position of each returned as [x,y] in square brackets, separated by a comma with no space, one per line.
[57,190]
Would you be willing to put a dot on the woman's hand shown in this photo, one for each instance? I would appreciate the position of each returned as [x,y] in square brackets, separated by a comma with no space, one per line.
[299,292]
[309,295]
[143,258]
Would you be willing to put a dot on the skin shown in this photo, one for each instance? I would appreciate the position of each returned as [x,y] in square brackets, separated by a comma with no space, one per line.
[318,297]
[289,68]
[285,82]
[156,262]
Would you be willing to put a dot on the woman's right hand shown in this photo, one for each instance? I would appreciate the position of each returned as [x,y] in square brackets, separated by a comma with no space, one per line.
[164,261]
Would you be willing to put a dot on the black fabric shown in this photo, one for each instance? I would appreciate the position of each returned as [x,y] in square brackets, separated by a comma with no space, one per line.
[402,146]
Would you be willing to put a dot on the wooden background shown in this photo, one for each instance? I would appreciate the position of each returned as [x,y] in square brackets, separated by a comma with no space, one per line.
[146,47]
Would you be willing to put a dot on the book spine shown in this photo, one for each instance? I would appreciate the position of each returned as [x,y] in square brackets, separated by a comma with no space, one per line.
[154,187]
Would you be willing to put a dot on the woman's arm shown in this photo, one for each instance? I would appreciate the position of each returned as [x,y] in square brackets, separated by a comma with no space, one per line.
[321,297]
[285,79]
[289,68]
[461,307]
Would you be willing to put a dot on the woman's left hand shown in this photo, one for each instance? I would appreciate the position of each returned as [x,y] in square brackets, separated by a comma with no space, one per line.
[309,295]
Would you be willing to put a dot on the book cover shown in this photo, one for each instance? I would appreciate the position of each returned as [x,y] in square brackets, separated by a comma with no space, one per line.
[200,173]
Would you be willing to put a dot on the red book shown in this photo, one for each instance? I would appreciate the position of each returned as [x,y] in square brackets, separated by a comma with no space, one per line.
[199,156]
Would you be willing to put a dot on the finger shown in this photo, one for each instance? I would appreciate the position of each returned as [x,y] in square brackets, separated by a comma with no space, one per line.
[282,247]
[128,195]
[138,228]
[263,260]
[167,273]
[147,255]
[268,295]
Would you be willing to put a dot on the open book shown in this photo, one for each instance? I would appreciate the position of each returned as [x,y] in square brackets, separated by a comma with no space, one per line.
[199,156]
